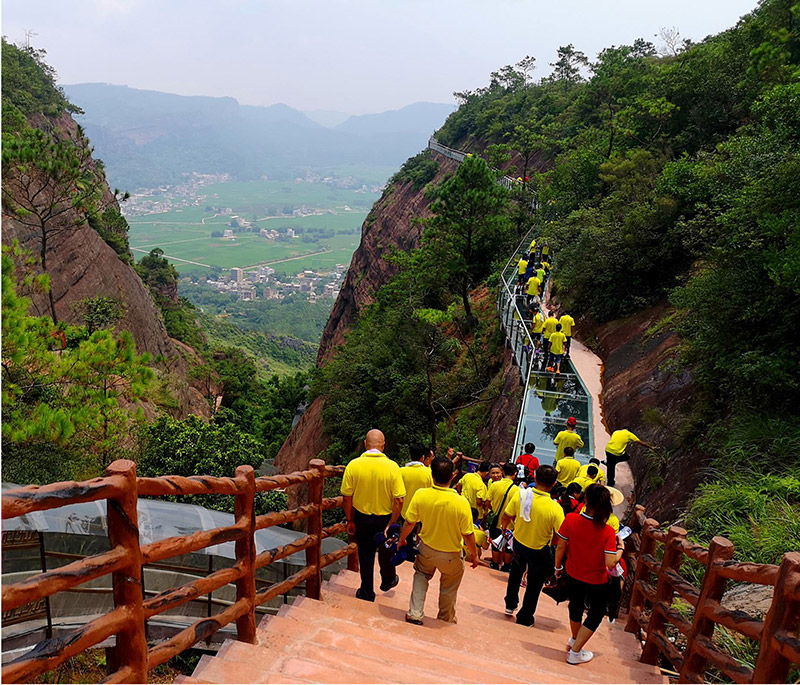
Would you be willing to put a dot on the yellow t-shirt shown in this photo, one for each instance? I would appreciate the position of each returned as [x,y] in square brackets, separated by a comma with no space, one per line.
[619,441]
[523,264]
[613,521]
[481,539]
[497,490]
[567,439]
[373,481]
[472,488]
[550,326]
[532,245]
[567,468]
[546,265]
[583,481]
[557,340]
[415,476]
[545,250]
[445,517]
[584,473]
[540,274]
[538,322]
[546,518]
[567,322]
[533,286]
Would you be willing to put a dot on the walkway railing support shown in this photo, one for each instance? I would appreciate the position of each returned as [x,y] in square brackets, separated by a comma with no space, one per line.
[244,511]
[123,531]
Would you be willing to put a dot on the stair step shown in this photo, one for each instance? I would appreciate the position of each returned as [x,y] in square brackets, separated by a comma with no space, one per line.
[341,639]
[608,665]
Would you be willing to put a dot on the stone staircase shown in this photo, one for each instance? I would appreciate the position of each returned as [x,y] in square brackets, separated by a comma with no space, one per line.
[341,639]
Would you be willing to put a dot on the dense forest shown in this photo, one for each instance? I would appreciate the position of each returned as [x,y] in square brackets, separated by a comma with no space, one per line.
[658,177]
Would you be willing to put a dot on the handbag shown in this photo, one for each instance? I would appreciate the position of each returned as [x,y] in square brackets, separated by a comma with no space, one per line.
[491,517]
[558,591]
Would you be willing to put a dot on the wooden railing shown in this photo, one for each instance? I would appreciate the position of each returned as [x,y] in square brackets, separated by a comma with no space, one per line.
[651,608]
[125,558]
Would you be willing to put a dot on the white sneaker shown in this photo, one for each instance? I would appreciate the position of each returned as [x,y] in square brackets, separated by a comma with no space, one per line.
[579,657]
[570,643]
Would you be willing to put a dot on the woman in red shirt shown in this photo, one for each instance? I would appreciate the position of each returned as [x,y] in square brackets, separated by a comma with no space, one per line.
[593,549]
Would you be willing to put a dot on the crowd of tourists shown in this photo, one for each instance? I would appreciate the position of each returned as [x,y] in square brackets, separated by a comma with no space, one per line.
[550,527]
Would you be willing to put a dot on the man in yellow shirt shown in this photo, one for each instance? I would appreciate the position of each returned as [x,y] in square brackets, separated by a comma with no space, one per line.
[446,521]
[584,471]
[589,478]
[567,324]
[416,474]
[547,330]
[615,451]
[568,438]
[537,519]
[373,493]
[557,340]
[473,487]
[532,290]
[522,264]
[567,467]
[500,493]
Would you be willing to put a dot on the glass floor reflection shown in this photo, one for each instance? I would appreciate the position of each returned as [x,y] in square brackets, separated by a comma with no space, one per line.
[550,399]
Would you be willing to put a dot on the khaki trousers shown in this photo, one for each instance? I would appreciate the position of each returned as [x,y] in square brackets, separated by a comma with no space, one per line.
[451,567]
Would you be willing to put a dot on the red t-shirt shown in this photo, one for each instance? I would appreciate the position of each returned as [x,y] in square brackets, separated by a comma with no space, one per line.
[588,545]
[528,460]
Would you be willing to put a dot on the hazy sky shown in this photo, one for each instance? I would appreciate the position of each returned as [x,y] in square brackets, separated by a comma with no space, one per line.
[354,56]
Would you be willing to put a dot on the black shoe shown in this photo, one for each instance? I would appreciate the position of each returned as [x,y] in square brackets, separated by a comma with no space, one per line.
[494,565]
[525,622]
[505,568]
[415,621]
[360,595]
[392,583]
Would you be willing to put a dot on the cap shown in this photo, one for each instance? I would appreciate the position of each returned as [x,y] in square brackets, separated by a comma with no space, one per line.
[571,421]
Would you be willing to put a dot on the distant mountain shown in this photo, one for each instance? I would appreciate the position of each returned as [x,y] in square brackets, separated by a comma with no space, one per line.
[327,118]
[410,119]
[147,138]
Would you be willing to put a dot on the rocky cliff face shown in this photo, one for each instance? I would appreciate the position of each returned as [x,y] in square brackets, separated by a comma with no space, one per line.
[82,265]
[644,392]
[389,224]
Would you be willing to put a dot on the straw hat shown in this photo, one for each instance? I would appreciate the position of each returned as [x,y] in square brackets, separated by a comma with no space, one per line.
[617,497]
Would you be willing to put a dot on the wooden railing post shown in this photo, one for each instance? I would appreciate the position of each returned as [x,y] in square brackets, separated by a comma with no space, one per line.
[316,487]
[694,664]
[244,513]
[123,531]
[647,546]
[783,616]
[673,555]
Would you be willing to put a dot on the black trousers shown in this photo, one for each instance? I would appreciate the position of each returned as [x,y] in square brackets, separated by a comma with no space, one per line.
[367,525]
[568,345]
[582,594]
[539,564]
[611,463]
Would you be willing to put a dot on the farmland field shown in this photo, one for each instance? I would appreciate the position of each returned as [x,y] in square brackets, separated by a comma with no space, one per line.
[184,234]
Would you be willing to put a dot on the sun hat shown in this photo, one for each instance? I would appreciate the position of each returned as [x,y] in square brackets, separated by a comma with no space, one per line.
[617,497]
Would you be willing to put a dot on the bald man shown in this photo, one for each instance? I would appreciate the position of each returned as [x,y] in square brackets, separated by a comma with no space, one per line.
[373,493]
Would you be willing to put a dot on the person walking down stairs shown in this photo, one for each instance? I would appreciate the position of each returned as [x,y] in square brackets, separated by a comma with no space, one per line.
[373,494]
[591,548]
[538,518]
[446,519]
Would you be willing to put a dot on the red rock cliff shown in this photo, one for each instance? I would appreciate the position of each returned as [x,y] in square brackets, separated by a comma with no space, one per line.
[82,265]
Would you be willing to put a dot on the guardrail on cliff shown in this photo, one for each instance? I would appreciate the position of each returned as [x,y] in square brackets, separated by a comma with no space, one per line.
[653,611]
[121,488]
